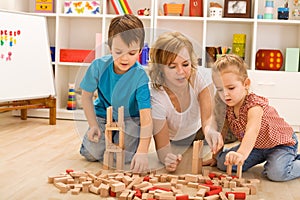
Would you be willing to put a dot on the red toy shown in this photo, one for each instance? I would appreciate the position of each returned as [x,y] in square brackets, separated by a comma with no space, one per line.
[268,59]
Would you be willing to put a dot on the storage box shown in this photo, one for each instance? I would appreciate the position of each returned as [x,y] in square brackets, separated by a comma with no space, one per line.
[44,6]
[82,7]
[77,55]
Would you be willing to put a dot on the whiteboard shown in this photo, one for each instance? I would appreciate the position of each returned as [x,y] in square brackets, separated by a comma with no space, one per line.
[25,59]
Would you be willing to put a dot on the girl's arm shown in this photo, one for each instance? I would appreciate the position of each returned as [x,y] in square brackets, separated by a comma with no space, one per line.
[252,130]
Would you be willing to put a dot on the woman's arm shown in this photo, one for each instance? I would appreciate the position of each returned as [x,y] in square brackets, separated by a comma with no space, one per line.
[205,104]
[146,130]
[161,139]
[139,162]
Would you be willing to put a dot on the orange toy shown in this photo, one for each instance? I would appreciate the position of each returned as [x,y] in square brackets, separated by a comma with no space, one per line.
[173,8]
[268,59]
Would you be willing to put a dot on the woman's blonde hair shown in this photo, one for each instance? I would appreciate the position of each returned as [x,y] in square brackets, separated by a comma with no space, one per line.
[164,51]
[230,63]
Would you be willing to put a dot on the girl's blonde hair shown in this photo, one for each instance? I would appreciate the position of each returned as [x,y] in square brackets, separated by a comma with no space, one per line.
[164,52]
[230,63]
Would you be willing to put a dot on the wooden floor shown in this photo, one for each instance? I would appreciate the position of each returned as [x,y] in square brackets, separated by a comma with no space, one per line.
[31,150]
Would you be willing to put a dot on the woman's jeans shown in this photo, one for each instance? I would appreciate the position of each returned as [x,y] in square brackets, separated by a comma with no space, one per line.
[282,162]
[94,151]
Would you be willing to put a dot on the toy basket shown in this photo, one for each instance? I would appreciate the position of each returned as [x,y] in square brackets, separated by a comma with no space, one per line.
[172,8]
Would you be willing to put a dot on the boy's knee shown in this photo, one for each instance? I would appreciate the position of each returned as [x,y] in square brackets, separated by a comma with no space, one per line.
[90,155]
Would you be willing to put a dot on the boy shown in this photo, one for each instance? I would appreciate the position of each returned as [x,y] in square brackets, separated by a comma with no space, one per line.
[120,81]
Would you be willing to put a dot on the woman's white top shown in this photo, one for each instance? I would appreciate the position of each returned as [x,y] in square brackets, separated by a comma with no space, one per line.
[184,124]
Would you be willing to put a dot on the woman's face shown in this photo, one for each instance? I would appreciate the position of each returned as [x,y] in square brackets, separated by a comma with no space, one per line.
[177,73]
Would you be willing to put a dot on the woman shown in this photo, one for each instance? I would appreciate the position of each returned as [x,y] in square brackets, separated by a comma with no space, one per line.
[180,97]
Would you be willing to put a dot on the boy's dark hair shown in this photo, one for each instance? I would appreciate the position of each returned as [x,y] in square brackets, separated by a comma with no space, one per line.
[130,28]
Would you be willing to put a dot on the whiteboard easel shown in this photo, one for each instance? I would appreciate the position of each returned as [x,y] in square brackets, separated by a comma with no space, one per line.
[25,62]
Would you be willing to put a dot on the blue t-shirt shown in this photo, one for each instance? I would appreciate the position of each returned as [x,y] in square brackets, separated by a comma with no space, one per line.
[130,89]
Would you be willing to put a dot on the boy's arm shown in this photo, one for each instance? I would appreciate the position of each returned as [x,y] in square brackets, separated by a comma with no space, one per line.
[88,107]
[252,130]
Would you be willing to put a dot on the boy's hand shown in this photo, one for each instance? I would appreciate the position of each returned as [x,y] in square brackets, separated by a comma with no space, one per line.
[234,158]
[139,163]
[94,134]
[172,161]
[214,140]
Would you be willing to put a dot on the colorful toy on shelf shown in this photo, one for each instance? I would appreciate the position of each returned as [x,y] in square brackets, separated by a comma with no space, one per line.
[71,97]
[44,6]
[82,7]
[239,45]
[268,59]
[215,10]
[196,8]
[173,8]
[292,59]
[269,9]
[144,12]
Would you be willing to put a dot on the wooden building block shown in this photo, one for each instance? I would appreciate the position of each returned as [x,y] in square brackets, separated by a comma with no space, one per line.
[239,170]
[104,190]
[229,170]
[75,191]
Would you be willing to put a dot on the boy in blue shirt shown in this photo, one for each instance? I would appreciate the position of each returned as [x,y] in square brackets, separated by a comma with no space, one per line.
[120,81]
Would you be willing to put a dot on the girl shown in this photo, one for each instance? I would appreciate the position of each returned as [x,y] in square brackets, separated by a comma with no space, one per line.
[263,134]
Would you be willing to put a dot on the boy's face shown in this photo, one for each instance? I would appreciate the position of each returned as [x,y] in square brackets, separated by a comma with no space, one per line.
[179,71]
[124,56]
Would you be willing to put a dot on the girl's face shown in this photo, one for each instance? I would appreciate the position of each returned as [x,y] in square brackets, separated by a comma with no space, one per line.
[124,56]
[231,88]
[178,72]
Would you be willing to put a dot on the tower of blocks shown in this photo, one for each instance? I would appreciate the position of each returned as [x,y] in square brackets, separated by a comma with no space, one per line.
[112,148]
[197,157]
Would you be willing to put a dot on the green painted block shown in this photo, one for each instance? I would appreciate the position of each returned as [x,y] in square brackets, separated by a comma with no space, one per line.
[292,59]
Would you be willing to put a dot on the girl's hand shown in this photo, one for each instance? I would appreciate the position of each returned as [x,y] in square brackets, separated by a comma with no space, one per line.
[234,158]
[172,161]
[94,134]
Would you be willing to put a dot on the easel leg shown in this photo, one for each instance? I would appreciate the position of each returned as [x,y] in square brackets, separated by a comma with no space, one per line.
[24,114]
[52,114]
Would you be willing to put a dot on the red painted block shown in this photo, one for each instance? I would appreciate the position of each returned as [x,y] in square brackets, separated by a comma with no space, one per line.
[77,55]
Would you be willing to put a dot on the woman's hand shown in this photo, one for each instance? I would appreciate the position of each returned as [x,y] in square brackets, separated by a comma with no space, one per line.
[214,140]
[210,162]
[172,161]
[139,163]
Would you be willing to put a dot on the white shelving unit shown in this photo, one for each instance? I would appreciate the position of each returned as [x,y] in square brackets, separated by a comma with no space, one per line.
[73,31]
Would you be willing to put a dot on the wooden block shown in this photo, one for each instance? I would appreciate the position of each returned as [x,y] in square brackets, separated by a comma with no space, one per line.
[191,178]
[201,192]
[63,188]
[222,196]
[229,170]
[95,190]
[212,197]
[51,178]
[231,197]
[75,191]
[104,190]
[239,170]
